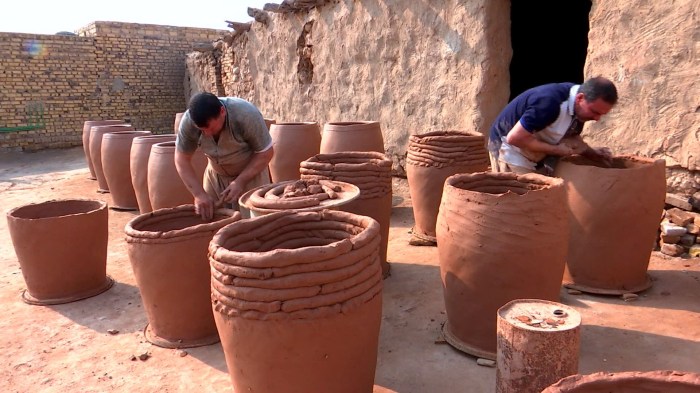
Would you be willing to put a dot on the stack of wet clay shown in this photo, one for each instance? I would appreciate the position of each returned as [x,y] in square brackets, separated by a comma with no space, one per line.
[296,195]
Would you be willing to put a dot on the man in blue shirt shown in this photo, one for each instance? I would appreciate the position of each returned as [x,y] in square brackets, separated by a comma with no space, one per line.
[547,121]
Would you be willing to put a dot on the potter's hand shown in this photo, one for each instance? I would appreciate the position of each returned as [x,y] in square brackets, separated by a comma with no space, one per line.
[602,154]
[563,150]
[204,206]
[232,192]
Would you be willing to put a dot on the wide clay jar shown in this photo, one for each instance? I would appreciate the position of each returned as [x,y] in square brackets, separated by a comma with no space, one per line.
[371,173]
[614,218]
[86,140]
[168,253]
[116,151]
[293,143]
[665,381]
[431,158]
[165,187]
[61,246]
[297,299]
[501,237]
[96,135]
[352,136]
[138,166]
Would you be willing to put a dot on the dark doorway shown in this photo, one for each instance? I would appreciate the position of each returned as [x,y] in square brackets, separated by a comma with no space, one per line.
[550,40]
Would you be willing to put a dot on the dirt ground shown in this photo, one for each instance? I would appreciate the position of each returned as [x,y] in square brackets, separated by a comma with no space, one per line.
[67,348]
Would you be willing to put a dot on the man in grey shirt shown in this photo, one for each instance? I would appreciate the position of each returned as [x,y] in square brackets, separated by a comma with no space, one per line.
[232,134]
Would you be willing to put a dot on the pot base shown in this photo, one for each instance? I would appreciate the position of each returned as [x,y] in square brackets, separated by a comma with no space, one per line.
[603,291]
[461,346]
[29,299]
[156,340]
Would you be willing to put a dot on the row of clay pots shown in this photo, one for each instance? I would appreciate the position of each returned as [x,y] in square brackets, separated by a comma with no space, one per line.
[116,157]
[87,128]
[138,167]
[95,150]
[371,173]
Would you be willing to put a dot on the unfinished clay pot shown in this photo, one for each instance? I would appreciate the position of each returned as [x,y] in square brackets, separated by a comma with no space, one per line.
[614,218]
[168,253]
[352,136]
[293,143]
[431,158]
[297,299]
[629,382]
[165,188]
[178,119]
[116,149]
[61,246]
[86,140]
[500,237]
[96,134]
[138,166]
[371,173]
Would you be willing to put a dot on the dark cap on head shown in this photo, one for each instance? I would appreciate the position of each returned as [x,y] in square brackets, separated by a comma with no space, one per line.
[599,87]
[204,107]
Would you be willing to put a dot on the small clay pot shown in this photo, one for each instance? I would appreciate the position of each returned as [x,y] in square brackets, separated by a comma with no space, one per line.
[629,382]
[293,143]
[168,253]
[176,125]
[500,237]
[614,218]
[352,136]
[116,149]
[138,166]
[305,286]
[432,158]
[61,246]
[96,134]
[165,187]
[86,140]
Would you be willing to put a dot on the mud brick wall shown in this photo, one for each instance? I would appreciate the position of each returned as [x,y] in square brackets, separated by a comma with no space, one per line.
[109,70]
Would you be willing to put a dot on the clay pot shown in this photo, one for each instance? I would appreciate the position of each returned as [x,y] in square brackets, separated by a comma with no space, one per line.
[61,246]
[96,134]
[176,125]
[629,382]
[614,218]
[297,301]
[433,157]
[86,140]
[269,122]
[501,237]
[371,173]
[352,136]
[165,187]
[293,143]
[138,166]
[168,253]
[116,149]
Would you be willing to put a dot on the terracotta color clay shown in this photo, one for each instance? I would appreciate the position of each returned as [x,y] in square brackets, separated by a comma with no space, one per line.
[629,382]
[86,140]
[269,122]
[352,136]
[116,149]
[371,173]
[293,143]
[138,166]
[485,231]
[168,253]
[326,319]
[433,157]
[96,134]
[614,218]
[165,187]
[61,246]
[176,125]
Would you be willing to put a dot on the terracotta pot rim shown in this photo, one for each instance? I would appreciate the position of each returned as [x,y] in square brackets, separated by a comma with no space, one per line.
[350,126]
[369,156]
[351,191]
[146,138]
[580,381]
[134,234]
[637,162]
[164,147]
[538,182]
[448,133]
[106,127]
[96,205]
[125,134]
[299,123]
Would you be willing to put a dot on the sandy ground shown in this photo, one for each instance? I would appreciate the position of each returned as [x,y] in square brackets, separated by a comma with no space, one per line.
[66,348]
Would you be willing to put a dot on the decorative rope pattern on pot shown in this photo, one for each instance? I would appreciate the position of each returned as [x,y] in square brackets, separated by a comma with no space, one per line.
[447,148]
[370,171]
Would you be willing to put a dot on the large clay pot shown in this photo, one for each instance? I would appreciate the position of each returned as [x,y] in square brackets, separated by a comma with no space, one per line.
[432,158]
[297,301]
[178,119]
[86,140]
[500,237]
[96,134]
[293,143]
[614,218]
[371,173]
[168,253]
[61,246]
[138,166]
[629,382]
[165,187]
[352,136]
[116,149]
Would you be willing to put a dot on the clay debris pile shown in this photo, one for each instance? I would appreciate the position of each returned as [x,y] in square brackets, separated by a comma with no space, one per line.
[678,233]
[446,149]
[297,195]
